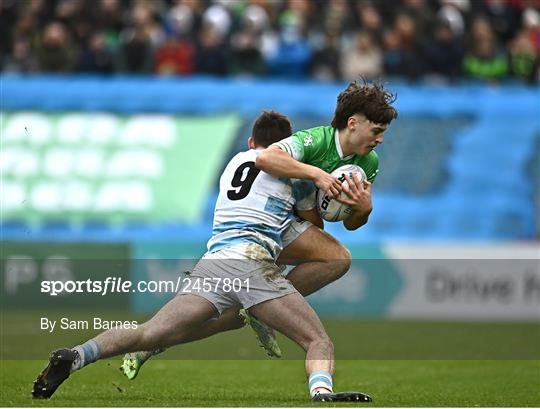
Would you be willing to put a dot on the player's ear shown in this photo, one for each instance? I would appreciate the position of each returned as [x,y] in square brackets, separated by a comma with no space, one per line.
[251,142]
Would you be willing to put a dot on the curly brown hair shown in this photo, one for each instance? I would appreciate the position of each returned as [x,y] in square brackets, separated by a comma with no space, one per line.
[270,127]
[368,99]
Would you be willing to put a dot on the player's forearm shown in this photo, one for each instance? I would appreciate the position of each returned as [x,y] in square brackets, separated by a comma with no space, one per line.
[280,164]
[356,220]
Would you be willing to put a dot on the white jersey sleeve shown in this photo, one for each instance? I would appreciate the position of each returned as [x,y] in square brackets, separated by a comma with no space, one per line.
[252,206]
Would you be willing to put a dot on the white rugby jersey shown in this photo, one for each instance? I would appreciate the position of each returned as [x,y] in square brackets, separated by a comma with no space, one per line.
[255,207]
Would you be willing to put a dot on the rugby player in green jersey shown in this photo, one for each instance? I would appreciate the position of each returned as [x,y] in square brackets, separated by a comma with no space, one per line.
[363,113]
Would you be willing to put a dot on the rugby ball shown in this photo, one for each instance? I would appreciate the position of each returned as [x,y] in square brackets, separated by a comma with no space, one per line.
[331,210]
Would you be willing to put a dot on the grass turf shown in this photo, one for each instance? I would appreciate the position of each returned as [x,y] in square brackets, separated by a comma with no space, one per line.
[282,383]
[399,363]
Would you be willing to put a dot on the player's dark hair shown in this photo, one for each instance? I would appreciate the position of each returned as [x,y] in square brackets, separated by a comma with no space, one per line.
[368,99]
[270,127]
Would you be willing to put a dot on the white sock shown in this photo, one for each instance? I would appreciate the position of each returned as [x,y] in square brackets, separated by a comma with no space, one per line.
[320,379]
[88,352]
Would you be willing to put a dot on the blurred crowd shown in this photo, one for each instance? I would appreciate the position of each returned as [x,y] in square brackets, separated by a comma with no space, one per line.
[328,40]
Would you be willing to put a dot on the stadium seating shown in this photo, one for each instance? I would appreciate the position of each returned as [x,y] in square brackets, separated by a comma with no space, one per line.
[465,168]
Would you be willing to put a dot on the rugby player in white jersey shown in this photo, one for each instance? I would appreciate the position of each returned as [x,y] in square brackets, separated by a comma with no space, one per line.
[253,209]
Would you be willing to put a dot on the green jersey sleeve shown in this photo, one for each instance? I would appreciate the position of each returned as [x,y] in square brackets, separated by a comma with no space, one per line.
[305,145]
[293,147]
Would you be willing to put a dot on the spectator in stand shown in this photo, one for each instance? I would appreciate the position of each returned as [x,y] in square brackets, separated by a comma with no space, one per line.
[8,15]
[196,8]
[337,18]
[293,54]
[182,22]
[135,54]
[410,61]
[261,16]
[55,53]
[26,27]
[502,14]
[523,58]
[97,58]
[246,55]
[143,16]
[484,60]
[524,49]
[108,19]
[212,53]
[246,58]
[287,38]
[531,25]
[392,54]
[177,55]
[21,59]
[370,21]
[422,14]
[218,17]
[72,14]
[297,12]
[443,53]
[363,58]
[325,60]
[454,13]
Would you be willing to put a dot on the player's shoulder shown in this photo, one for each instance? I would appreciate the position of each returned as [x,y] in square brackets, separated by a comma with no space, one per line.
[239,159]
[318,131]
[315,135]
[250,154]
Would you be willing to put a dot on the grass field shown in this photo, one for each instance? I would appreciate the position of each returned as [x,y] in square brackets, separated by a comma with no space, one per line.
[399,363]
[274,383]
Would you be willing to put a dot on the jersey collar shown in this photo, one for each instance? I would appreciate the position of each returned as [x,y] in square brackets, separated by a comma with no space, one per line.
[338,147]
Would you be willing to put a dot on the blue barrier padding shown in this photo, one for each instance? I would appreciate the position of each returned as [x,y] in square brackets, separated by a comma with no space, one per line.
[205,96]
[487,193]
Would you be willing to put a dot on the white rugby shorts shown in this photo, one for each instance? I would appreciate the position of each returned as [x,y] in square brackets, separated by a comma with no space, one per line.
[242,275]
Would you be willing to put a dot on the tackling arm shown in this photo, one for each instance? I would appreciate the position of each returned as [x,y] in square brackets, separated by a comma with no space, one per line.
[279,163]
[275,161]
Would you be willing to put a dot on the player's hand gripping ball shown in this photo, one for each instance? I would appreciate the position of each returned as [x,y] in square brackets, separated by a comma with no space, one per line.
[331,210]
